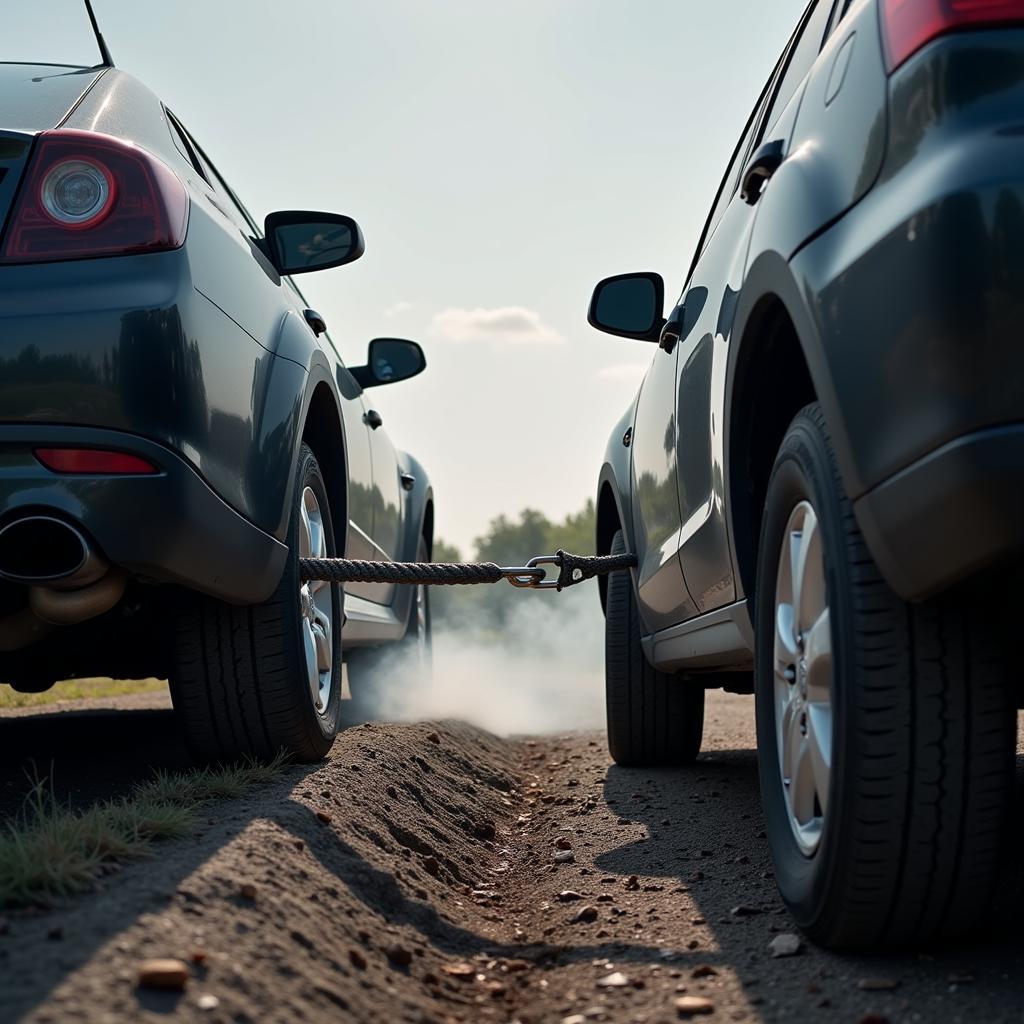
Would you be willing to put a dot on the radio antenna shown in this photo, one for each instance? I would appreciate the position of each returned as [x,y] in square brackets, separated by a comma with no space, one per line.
[108,61]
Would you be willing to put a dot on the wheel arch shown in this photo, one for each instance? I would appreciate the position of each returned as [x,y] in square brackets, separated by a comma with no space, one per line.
[776,366]
[323,430]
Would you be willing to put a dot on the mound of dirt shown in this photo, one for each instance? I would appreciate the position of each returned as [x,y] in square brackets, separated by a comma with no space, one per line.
[355,890]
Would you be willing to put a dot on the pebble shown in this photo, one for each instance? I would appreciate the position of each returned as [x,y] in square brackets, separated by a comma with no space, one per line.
[745,911]
[786,944]
[568,895]
[461,970]
[562,843]
[703,971]
[208,1002]
[433,737]
[399,955]
[576,1018]
[167,974]
[324,817]
[357,959]
[877,984]
[692,1006]
[585,915]
[248,892]
[564,857]
[614,980]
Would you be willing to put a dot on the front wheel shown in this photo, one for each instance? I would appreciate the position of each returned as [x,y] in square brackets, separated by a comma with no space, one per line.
[257,680]
[886,730]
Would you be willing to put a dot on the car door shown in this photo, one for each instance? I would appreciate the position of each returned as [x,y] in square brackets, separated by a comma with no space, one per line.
[357,440]
[705,316]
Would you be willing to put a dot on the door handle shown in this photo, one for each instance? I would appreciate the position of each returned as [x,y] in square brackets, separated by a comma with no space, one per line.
[764,163]
[673,330]
[373,419]
[315,320]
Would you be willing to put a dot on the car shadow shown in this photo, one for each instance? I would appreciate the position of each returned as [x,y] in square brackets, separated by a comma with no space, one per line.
[704,833]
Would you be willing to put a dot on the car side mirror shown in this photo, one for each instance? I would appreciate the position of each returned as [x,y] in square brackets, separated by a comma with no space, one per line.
[389,361]
[300,241]
[629,306]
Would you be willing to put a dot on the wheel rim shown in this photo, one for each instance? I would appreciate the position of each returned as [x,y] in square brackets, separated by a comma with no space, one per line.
[316,605]
[803,677]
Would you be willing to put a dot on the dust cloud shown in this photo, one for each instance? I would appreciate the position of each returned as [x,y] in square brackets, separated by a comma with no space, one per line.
[540,669]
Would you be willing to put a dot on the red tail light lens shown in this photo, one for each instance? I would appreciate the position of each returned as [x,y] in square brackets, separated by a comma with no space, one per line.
[910,24]
[97,461]
[93,195]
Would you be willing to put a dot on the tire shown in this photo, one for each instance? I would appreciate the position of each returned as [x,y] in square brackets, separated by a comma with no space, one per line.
[241,682]
[654,718]
[920,727]
[385,681]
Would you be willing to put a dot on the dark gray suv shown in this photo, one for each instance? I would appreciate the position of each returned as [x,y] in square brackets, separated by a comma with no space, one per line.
[823,473]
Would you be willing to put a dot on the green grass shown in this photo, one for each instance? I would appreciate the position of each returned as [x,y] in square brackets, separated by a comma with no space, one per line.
[78,689]
[52,851]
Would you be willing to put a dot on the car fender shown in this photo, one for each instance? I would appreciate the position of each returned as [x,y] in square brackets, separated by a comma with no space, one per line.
[615,478]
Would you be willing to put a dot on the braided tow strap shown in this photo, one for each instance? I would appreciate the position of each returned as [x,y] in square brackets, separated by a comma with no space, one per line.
[573,569]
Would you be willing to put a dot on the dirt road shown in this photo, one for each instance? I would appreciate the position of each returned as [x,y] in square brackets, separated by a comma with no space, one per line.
[434,873]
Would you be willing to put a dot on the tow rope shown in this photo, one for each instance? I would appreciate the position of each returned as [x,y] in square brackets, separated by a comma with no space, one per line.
[572,569]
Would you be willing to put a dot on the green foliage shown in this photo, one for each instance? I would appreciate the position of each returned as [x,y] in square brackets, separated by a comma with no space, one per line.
[509,542]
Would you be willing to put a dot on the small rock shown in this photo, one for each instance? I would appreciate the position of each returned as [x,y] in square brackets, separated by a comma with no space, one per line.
[564,857]
[692,1006]
[632,883]
[324,817]
[693,944]
[703,971]
[568,895]
[357,959]
[785,944]
[562,843]
[433,737]
[169,975]
[460,970]
[614,980]
[431,866]
[299,844]
[744,911]
[576,1018]
[207,1002]
[585,915]
[248,892]
[878,984]
[399,955]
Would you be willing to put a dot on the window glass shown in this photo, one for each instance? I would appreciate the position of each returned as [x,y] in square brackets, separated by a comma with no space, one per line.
[802,56]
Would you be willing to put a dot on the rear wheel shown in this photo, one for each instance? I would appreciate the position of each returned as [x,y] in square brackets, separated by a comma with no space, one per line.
[255,680]
[653,717]
[886,730]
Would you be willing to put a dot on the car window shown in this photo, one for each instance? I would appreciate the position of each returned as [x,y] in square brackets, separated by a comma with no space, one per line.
[802,55]
[181,142]
[235,209]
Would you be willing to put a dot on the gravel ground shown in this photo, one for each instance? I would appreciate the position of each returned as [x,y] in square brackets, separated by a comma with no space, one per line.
[434,873]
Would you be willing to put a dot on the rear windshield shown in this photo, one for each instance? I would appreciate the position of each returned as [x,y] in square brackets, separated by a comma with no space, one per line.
[48,32]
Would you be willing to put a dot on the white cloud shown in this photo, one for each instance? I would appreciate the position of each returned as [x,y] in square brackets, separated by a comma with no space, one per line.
[509,324]
[625,373]
[397,309]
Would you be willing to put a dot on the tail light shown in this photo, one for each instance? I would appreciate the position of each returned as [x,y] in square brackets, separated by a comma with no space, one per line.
[910,24]
[95,461]
[87,195]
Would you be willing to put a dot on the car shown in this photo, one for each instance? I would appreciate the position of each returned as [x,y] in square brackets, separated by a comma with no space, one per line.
[822,476]
[178,429]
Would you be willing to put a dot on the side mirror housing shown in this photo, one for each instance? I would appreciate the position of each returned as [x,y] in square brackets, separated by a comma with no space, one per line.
[389,361]
[301,241]
[629,306]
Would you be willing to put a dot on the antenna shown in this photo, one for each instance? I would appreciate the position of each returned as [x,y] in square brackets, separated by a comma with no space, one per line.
[108,61]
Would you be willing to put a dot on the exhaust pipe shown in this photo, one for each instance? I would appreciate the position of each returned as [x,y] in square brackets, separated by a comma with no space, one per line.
[68,580]
[42,550]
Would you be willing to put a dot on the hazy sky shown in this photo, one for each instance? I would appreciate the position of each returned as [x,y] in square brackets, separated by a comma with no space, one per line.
[501,157]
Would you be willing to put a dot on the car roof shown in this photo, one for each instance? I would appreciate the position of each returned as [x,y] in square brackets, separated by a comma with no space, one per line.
[34,97]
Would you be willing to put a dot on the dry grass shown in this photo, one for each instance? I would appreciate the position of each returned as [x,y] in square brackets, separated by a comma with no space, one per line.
[78,689]
[53,851]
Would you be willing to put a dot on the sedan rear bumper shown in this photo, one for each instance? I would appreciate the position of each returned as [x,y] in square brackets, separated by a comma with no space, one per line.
[169,527]
[952,513]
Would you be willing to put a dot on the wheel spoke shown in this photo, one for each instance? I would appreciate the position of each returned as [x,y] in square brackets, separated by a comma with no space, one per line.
[808,574]
[322,638]
[312,672]
[819,748]
[818,654]
[305,532]
[786,746]
[801,783]
[785,638]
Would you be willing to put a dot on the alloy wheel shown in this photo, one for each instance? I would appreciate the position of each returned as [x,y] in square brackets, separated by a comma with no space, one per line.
[316,605]
[803,677]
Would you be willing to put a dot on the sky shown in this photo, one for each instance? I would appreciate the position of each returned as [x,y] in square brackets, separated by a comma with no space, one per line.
[501,158]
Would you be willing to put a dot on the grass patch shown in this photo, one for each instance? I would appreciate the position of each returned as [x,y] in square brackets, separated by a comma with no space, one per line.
[52,851]
[78,689]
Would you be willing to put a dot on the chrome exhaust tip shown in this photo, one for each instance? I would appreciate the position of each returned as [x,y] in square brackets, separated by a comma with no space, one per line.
[44,550]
